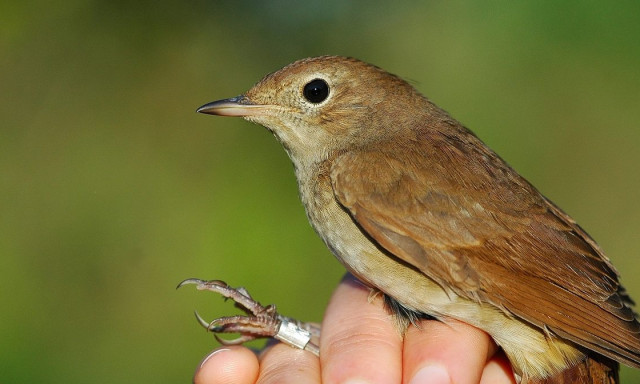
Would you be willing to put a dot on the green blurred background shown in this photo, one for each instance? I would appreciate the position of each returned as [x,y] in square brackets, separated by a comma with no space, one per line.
[113,189]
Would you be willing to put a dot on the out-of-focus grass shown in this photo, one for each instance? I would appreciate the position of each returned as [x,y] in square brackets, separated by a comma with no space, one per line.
[112,189]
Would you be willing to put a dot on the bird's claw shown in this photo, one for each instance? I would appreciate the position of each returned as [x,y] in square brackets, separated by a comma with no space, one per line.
[260,321]
[240,296]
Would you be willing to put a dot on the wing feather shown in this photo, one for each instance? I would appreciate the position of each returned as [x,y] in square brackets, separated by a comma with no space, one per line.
[453,209]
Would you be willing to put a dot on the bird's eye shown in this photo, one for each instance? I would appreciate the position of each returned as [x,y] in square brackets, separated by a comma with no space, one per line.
[316,91]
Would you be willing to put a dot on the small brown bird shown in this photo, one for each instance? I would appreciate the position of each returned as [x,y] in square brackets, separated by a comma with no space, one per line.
[416,206]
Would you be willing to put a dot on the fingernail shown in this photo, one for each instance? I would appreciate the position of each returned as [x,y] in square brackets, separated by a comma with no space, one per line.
[356,381]
[204,361]
[431,374]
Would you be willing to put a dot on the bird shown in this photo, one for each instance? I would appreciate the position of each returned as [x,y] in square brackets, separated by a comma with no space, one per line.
[418,208]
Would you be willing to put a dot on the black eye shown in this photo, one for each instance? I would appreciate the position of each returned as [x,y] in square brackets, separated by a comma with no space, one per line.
[316,91]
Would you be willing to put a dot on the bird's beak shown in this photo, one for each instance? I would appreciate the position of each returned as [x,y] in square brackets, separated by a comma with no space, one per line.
[238,106]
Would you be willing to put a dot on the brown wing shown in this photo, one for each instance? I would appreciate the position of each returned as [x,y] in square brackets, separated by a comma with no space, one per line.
[452,208]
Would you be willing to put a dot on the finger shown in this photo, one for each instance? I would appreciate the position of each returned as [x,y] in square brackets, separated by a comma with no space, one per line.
[283,364]
[359,343]
[452,352]
[228,365]
[498,370]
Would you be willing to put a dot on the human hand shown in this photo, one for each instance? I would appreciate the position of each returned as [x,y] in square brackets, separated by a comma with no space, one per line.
[360,344]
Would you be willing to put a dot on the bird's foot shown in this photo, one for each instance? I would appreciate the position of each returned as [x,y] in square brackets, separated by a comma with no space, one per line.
[260,322]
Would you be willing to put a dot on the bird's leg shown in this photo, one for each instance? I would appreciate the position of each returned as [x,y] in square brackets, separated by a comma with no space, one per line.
[260,322]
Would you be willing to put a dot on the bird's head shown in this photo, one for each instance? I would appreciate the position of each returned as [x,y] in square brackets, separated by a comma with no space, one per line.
[320,105]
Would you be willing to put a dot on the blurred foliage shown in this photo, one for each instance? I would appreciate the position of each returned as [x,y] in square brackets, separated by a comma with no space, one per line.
[113,190]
